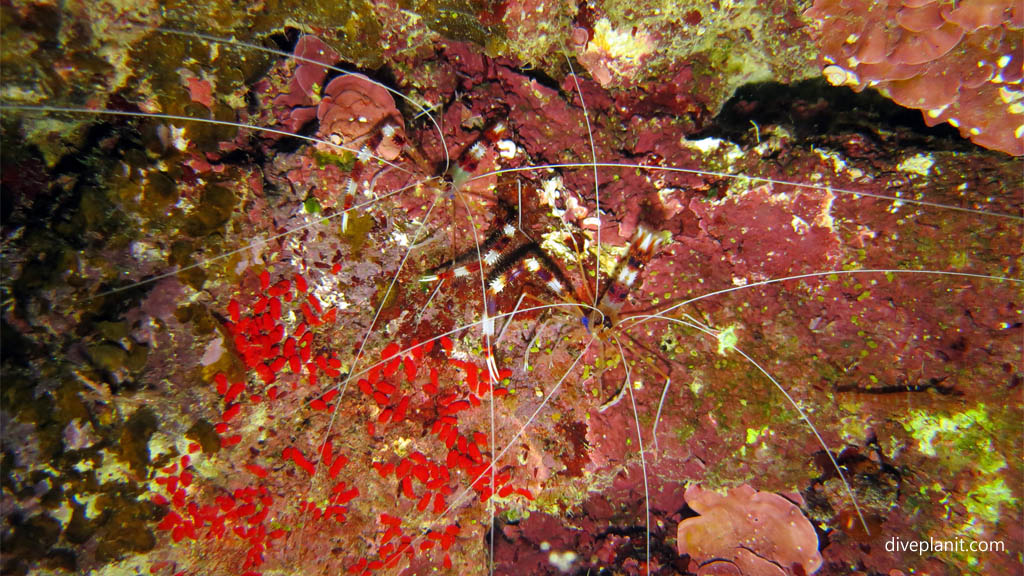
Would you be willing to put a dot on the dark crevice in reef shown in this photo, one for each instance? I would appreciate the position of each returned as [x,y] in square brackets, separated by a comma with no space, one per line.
[292,144]
[871,476]
[285,40]
[383,76]
[28,197]
[825,115]
[930,386]
[543,78]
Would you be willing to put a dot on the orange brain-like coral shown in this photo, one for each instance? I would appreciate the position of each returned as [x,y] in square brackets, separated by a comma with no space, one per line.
[957,62]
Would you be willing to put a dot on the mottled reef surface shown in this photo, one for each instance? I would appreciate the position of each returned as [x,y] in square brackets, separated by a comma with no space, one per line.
[234,341]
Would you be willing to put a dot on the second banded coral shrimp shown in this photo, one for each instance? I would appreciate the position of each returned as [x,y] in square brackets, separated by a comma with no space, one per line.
[327,408]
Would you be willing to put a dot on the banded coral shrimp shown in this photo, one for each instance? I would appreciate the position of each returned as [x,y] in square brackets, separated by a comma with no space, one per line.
[722,448]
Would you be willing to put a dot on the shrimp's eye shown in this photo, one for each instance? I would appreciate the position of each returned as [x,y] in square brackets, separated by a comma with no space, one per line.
[607,322]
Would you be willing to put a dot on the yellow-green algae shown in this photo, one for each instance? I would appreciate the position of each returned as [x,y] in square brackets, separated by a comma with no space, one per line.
[727,339]
[962,443]
[968,433]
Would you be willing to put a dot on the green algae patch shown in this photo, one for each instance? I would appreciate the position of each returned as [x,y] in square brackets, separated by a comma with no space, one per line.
[107,356]
[124,526]
[984,501]
[727,339]
[203,433]
[961,440]
[30,539]
[753,434]
[199,315]
[683,432]
[459,20]
[159,195]
[312,206]
[343,159]
[358,231]
[958,260]
[962,443]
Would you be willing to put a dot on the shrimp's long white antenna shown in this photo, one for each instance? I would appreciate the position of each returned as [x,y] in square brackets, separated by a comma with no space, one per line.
[761,179]
[213,121]
[643,459]
[519,205]
[597,187]
[433,294]
[501,334]
[657,417]
[803,415]
[640,319]
[492,371]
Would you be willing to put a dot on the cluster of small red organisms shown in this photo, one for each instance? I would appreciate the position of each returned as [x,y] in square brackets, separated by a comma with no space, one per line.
[259,337]
[279,336]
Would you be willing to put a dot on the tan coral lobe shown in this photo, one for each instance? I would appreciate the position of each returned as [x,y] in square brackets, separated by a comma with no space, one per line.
[353,108]
[756,532]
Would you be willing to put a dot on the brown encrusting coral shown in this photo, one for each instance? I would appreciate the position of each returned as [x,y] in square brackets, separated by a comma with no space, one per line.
[958,62]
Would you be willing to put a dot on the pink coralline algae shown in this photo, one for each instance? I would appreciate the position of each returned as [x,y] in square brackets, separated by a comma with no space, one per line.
[353,109]
[957,62]
[312,56]
[349,109]
[747,532]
